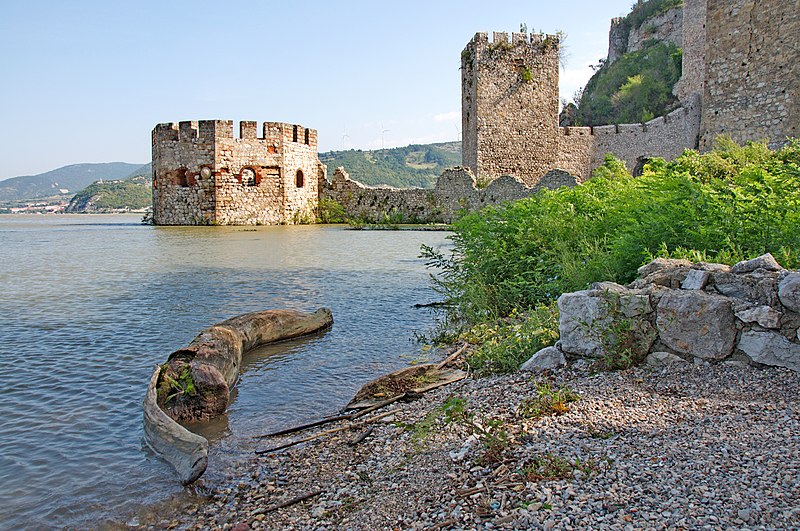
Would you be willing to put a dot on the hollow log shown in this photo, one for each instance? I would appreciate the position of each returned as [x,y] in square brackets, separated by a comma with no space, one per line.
[195,382]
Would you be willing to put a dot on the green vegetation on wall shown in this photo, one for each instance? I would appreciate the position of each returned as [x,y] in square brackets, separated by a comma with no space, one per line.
[651,8]
[403,167]
[635,88]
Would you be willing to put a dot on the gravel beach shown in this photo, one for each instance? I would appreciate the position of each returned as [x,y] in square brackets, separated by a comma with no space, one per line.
[681,447]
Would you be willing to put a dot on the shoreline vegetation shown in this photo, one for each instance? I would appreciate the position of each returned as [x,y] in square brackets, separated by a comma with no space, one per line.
[606,445]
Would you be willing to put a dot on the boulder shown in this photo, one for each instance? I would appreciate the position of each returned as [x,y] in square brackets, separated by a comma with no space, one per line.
[660,264]
[763,315]
[766,262]
[789,291]
[770,348]
[547,358]
[696,323]
[695,279]
[590,318]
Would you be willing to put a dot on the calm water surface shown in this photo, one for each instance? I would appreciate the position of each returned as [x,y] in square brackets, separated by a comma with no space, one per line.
[89,304]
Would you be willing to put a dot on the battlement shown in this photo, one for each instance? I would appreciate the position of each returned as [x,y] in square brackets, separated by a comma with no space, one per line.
[500,42]
[213,130]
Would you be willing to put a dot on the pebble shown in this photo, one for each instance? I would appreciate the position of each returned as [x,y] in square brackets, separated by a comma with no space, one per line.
[692,447]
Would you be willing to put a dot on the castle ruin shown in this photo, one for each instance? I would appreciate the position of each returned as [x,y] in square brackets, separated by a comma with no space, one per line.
[741,72]
[202,175]
[741,77]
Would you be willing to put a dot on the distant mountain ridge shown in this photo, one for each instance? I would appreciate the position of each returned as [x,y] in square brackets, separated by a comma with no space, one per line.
[72,178]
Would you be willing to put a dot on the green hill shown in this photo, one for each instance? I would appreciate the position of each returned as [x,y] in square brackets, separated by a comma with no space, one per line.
[70,178]
[411,166]
[134,193]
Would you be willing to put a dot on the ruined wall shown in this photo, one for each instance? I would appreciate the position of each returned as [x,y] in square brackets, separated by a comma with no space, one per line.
[666,136]
[510,105]
[181,194]
[455,191]
[694,50]
[203,175]
[752,63]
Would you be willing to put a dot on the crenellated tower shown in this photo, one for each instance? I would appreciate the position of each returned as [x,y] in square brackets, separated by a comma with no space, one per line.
[203,174]
[509,91]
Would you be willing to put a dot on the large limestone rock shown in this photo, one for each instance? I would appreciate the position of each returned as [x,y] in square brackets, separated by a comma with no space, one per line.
[696,323]
[766,262]
[590,320]
[546,359]
[770,348]
[789,291]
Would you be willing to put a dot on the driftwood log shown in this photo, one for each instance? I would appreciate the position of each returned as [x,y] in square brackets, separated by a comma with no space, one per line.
[195,382]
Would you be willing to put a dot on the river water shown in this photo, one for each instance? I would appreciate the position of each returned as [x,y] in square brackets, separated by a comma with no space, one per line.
[89,304]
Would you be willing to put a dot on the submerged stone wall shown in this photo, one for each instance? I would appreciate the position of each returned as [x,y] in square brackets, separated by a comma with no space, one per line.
[456,190]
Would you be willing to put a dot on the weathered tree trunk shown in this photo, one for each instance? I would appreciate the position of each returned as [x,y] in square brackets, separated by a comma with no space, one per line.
[195,382]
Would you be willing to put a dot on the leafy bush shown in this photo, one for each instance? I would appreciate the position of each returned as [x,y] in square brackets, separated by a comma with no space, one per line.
[507,343]
[635,88]
[727,205]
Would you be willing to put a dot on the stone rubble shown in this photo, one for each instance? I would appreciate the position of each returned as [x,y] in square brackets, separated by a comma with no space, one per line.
[700,312]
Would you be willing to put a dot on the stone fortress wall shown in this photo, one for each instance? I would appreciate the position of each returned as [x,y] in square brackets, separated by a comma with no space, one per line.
[752,59]
[741,71]
[203,175]
[456,190]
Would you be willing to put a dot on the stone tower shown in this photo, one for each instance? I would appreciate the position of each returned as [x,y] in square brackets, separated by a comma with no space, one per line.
[203,175]
[752,71]
[509,105]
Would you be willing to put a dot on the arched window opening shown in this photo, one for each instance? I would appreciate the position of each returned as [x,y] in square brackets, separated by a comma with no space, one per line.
[306,138]
[638,168]
[299,181]
[248,177]
[294,134]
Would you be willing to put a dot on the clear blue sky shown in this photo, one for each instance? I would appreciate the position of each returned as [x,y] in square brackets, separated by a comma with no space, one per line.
[86,81]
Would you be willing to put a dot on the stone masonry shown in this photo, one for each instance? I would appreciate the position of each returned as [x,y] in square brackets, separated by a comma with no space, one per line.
[741,77]
[202,175]
[752,61]
[456,191]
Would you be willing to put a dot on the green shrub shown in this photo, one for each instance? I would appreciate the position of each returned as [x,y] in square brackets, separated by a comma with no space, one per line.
[730,204]
[330,211]
[507,343]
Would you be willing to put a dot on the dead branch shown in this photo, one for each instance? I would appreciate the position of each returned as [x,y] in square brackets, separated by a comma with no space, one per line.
[361,437]
[326,432]
[449,359]
[287,503]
